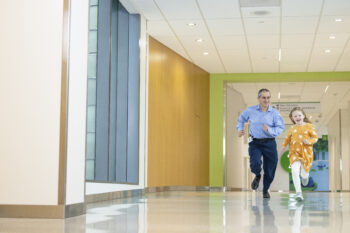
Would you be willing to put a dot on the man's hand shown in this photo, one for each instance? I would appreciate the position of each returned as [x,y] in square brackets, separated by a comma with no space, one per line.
[266,128]
[240,133]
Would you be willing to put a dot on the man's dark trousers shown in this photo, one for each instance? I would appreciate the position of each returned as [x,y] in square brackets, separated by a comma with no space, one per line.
[267,150]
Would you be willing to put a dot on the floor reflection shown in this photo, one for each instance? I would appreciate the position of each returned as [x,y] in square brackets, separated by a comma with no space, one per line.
[202,212]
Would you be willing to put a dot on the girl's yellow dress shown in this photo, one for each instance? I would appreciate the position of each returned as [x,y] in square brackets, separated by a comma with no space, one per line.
[297,149]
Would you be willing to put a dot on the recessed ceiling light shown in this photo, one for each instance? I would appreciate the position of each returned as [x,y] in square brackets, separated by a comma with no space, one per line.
[327,51]
[279,95]
[331,37]
[199,40]
[205,53]
[338,20]
[191,24]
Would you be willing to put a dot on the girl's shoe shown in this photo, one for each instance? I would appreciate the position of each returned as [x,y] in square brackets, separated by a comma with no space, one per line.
[299,197]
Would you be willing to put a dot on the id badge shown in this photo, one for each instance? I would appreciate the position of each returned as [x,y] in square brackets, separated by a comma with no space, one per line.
[250,139]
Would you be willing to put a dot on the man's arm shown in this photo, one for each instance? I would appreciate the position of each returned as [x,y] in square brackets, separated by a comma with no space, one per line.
[243,118]
[278,127]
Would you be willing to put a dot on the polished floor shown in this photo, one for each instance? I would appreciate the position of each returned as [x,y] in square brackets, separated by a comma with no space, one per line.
[202,212]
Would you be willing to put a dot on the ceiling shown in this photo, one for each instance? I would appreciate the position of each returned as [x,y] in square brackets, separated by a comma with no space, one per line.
[246,36]
[331,95]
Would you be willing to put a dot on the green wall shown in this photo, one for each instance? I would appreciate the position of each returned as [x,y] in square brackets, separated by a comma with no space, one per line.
[216,107]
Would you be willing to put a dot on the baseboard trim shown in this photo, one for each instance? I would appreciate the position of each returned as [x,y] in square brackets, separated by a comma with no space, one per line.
[32,211]
[113,195]
[92,198]
[74,210]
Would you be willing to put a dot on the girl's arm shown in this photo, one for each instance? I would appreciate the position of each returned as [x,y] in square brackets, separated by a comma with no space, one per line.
[287,139]
[313,135]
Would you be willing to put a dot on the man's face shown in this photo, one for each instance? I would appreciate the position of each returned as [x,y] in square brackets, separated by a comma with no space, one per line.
[264,99]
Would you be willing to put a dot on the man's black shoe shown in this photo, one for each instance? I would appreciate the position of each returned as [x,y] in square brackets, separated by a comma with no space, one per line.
[266,195]
[255,183]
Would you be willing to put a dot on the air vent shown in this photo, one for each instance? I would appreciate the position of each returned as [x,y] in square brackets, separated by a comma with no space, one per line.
[260,13]
[260,3]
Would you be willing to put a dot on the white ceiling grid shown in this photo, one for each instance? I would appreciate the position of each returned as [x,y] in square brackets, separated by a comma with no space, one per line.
[240,40]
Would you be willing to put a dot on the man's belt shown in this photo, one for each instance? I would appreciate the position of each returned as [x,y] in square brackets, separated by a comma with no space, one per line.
[263,139]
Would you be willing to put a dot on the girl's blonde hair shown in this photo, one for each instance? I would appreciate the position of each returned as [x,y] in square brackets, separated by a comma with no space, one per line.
[300,110]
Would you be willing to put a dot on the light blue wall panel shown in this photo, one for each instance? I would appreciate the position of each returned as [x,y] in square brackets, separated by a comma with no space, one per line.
[102,92]
[122,94]
[133,100]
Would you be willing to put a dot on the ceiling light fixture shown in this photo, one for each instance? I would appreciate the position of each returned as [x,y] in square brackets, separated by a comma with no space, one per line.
[327,51]
[279,54]
[325,90]
[205,53]
[331,37]
[200,40]
[191,24]
[279,95]
[338,20]
[310,117]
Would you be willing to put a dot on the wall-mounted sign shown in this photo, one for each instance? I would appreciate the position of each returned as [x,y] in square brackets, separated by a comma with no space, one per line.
[309,107]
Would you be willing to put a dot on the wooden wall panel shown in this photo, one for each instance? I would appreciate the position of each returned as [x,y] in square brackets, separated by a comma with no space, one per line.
[178,121]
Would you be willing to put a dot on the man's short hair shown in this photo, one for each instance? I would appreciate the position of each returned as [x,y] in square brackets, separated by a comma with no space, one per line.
[263,90]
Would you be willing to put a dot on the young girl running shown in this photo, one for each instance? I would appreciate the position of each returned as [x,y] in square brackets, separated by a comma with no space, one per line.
[301,136]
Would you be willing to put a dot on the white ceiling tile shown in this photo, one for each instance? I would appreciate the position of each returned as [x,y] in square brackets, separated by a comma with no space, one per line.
[264,54]
[159,28]
[301,8]
[236,61]
[295,55]
[191,44]
[319,55]
[293,67]
[267,26]
[322,40]
[329,25]
[210,63]
[148,9]
[299,25]
[264,66]
[230,42]
[336,7]
[287,89]
[225,27]
[263,42]
[299,41]
[300,18]
[179,9]
[344,63]
[260,12]
[220,9]
[182,29]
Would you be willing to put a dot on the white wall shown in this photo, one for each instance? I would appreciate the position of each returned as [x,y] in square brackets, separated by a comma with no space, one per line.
[235,147]
[334,152]
[76,139]
[95,188]
[345,147]
[30,75]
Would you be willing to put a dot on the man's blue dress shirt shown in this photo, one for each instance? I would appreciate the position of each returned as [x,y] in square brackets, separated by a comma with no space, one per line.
[257,118]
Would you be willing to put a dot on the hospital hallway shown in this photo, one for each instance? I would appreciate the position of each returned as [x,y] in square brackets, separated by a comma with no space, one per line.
[202,211]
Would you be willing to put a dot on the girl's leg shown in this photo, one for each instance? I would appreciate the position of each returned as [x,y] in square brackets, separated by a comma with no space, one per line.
[296,175]
[304,176]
